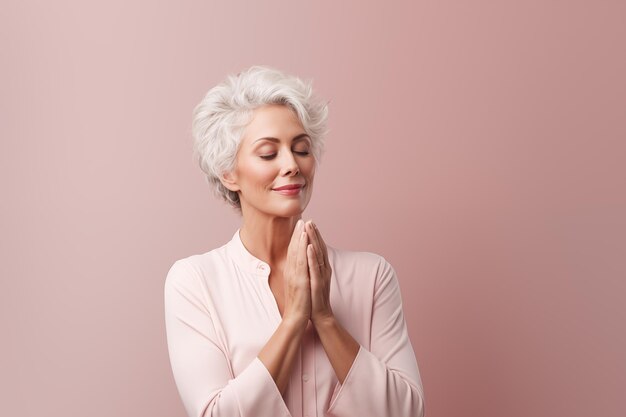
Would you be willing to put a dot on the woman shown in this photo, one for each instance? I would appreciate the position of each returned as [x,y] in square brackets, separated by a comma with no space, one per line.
[276,322]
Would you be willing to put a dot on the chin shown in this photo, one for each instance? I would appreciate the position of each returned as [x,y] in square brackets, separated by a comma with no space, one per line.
[287,209]
[292,210]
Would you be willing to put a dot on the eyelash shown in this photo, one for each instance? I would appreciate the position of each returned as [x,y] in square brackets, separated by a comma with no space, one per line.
[268,157]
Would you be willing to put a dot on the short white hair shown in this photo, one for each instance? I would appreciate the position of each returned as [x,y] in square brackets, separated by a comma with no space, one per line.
[226,109]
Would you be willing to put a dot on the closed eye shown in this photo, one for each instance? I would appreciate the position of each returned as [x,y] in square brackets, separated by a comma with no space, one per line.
[271,156]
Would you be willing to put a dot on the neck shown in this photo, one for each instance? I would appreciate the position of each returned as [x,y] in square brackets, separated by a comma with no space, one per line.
[267,238]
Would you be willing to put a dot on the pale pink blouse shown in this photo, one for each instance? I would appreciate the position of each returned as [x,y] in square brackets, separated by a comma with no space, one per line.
[220,312]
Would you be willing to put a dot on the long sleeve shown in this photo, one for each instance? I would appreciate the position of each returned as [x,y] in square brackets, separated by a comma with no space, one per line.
[385,380]
[200,366]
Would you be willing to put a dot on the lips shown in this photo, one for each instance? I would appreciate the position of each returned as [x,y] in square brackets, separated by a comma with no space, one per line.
[289,187]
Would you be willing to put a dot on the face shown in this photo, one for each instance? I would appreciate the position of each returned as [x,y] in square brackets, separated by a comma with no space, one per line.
[264,164]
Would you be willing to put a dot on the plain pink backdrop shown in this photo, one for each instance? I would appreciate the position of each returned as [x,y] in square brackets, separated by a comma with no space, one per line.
[478,146]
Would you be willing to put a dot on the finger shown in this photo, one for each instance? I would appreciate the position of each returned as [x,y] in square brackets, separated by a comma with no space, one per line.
[295,236]
[292,248]
[319,258]
[322,244]
[314,268]
[301,260]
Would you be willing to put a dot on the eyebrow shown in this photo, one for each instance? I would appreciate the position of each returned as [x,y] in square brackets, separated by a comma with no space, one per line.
[300,136]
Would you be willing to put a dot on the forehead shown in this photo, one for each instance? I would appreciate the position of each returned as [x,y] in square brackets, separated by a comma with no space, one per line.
[273,120]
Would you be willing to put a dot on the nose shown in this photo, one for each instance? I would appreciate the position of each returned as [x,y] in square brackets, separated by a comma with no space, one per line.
[289,165]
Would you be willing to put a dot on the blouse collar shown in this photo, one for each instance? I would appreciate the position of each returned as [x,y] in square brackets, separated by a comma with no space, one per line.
[244,258]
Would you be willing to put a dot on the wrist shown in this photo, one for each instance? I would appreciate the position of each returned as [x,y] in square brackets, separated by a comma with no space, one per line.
[325,322]
[294,324]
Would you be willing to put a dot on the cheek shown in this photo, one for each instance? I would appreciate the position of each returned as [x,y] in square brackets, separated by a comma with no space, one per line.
[309,169]
[261,175]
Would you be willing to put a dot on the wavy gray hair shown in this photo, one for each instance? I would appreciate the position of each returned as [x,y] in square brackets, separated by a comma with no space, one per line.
[226,109]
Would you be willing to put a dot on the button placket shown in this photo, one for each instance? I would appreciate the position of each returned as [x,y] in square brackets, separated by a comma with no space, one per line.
[308,377]
[264,270]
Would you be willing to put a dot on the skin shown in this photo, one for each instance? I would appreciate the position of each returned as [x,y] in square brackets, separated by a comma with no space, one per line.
[273,231]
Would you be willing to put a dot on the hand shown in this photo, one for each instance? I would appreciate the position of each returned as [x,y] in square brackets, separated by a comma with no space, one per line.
[296,277]
[320,273]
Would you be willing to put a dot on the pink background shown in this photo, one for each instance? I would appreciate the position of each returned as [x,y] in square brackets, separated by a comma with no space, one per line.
[478,146]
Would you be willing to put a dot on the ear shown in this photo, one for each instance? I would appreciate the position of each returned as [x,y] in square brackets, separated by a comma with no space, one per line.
[229,181]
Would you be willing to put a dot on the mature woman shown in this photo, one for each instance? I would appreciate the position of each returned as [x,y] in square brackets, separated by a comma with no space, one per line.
[276,322]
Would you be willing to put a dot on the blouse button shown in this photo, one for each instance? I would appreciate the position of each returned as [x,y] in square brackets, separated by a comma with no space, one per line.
[305,377]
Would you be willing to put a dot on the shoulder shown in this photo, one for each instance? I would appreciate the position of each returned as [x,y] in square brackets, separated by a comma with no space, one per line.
[356,258]
[189,269]
[366,265]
